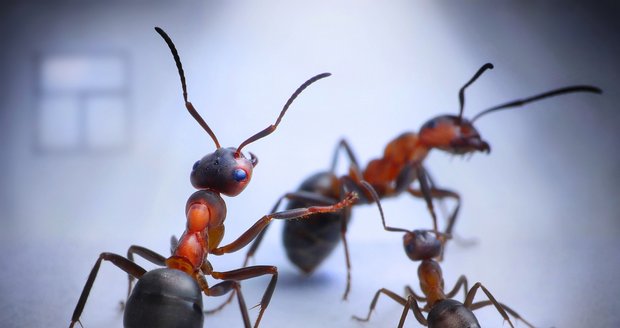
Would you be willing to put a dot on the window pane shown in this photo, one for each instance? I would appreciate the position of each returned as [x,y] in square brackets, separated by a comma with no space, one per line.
[59,123]
[82,72]
[106,122]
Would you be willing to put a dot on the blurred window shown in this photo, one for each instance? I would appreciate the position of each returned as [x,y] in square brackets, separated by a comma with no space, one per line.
[82,103]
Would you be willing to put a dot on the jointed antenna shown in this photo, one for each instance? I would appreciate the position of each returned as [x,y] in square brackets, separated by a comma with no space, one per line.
[552,93]
[268,130]
[474,78]
[188,105]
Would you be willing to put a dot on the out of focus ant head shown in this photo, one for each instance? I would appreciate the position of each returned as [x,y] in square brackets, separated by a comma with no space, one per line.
[452,134]
[224,171]
[457,135]
[421,245]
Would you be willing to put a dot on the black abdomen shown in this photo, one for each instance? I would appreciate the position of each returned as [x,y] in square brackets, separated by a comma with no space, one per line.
[310,241]
[164,298]
[451,314]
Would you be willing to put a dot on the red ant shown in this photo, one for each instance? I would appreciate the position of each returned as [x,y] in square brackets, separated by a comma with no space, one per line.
[443,311]
[309,242]
[171,296]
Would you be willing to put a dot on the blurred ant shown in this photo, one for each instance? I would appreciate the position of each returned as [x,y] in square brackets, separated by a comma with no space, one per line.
[171,296]
[443,311]
[309,242]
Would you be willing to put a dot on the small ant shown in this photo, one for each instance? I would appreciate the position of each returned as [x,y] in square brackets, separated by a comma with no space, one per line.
[171,296]
[443,311]
[309,242]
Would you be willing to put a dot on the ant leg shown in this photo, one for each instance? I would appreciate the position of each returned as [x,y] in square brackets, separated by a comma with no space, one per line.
[409,291]
[174,242]
[299,196]
[472,293]
[302,196]
[415,308]
[343,235]
[462,281]
[427,195]
[148,255]
[512,312]
[252,272]
[296,213]
[225,287]
[438,193]
[354,169]
[121,262]
[375,197]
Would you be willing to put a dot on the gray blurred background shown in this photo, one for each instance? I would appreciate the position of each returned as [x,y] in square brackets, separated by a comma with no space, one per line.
[97,147]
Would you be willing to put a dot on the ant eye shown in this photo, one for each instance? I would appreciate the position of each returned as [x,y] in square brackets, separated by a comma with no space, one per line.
[239,175]
[195,165]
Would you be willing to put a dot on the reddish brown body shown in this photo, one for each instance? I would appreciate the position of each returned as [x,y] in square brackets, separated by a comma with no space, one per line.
[401,164]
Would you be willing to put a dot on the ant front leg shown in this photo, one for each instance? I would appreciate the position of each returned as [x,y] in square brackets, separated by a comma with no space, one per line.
[296,213]
[300,196]
[124,264]
[472,293]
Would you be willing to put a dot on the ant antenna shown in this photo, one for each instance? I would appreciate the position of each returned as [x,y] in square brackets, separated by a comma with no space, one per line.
[188,105]
[474,78]
[268,130]
[552,93]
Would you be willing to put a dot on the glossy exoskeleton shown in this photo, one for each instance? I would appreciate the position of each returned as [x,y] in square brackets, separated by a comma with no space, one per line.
[308,243]
[172,296]
[443,311]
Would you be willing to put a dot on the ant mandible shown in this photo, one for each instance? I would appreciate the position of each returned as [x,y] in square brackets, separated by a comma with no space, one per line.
[171,296]
[309,242]
[443,311]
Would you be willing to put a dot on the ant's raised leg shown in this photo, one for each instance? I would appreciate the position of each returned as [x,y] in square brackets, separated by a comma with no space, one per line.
[148,255]
[252,272]
[472,293]
[512,312]
[124,264]
[296,213]
[301,196]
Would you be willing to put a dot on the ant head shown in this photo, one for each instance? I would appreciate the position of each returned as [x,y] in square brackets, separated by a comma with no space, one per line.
[421,245]
[457,135]
[452,134]
[224,171]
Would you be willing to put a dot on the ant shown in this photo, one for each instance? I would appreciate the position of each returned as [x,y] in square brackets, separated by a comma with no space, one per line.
[309,242]
[171,296]
[443,311]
